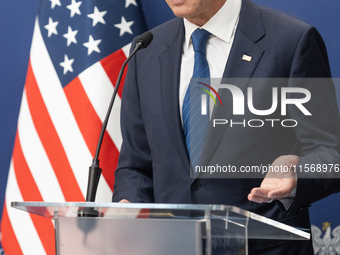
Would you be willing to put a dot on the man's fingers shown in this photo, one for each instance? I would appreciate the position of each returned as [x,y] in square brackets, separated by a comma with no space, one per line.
[259,199]
[260,192]
[124,201]
[260,195]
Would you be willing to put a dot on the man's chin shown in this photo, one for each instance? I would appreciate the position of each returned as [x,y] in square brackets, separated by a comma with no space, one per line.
[175,2]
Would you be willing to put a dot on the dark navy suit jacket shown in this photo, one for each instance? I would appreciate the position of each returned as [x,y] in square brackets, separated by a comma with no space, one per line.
[154,164]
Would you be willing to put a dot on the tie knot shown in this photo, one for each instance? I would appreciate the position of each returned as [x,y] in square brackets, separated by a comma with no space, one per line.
[199,40]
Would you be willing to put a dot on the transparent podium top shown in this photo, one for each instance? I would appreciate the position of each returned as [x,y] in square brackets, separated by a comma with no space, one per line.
[258,227]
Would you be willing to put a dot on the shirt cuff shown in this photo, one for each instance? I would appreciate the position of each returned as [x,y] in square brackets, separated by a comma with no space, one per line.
[288,201]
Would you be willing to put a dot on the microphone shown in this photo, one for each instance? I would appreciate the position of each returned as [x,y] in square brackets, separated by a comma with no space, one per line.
[143,41]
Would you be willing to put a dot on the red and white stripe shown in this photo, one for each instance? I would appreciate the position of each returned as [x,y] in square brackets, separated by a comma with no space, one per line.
[56,139]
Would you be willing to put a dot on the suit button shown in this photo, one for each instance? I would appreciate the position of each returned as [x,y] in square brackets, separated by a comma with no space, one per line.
[196,185]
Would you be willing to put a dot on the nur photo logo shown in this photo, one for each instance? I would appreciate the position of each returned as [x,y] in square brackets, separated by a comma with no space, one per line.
[281,98]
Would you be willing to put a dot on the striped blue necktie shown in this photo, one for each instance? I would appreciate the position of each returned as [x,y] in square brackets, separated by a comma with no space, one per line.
[195,125]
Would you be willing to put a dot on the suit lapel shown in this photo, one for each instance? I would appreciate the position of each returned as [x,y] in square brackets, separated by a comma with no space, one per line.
[248,32]
[170,64]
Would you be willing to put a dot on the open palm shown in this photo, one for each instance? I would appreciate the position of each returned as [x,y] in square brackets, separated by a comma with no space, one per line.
[277,184]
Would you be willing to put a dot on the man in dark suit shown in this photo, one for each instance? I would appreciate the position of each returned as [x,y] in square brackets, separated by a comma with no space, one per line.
[154,163]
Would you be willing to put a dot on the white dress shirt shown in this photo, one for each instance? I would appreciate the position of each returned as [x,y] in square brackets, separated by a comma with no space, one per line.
[222,26]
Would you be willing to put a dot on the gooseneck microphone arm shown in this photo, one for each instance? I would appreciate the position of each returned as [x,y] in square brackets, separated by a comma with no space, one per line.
[94,172]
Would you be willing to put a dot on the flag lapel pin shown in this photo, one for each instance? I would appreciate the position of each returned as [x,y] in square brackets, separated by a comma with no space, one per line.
[246,57]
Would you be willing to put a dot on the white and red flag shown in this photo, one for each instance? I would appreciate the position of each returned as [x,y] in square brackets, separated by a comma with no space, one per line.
[77,50]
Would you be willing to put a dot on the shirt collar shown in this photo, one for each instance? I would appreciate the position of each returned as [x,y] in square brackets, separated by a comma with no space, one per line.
[227,16]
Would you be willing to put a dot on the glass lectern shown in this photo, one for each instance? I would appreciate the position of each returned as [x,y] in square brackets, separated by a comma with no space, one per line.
[154,229]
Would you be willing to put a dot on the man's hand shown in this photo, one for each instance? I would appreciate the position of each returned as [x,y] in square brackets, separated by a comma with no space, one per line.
[124,201]
[277,184]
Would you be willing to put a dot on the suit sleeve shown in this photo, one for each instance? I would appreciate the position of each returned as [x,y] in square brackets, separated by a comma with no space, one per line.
[319,134]
[133,176]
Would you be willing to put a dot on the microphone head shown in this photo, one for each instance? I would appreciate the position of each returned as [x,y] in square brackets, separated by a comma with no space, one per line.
[145,39]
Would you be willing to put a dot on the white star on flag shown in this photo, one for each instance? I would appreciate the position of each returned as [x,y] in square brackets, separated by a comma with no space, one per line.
[92,45]
[71,36]
[54,3]
[67,64]
[124,27]
[128,2]
[51,27]
[74,8]
[97,16]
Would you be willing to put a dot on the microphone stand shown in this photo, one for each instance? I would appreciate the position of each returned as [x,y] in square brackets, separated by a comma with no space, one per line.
[95,171]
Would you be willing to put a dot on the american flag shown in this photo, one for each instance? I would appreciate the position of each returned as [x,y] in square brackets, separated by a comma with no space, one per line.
[78,47]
